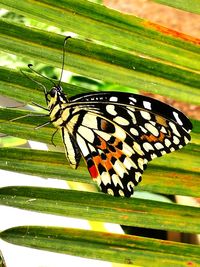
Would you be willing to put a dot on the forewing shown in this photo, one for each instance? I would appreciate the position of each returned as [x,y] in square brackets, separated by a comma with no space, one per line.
[138,101]
[156,127]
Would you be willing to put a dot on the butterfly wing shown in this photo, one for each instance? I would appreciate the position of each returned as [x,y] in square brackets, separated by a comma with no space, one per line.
[133,100]
[112,158]
[118,133]
[156,127]
[72,150]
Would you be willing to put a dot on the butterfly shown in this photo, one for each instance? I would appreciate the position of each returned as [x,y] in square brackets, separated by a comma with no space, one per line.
[116,133]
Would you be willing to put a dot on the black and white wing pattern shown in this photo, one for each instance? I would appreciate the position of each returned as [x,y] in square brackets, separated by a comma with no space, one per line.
[118,133]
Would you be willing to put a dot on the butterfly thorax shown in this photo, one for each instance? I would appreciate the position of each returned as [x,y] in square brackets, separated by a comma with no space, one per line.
[57,105]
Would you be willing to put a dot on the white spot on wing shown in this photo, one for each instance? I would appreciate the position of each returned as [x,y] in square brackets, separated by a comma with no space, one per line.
[130,186]
[153,122]
[134,131]
[145,115]
[147,104]
[138,149]
[120,120]
[104,135]
[127,150]
[85,132]
[82,145]
[176,116]
[140,163]
[113,99]
[120,133]
[121,193]
[110,192]
[116,180]
[132,116]
[133,99]
[148,146]
[92,149]
[128,163]
[174,129]
[119,168]
[130,108]
[111,109]
[186,140]
[153,156]
[158,145]
[143,129]
[151,129]
[105,178]
[137,176]
[167,142]
[90,120]
[163,130]
[176,140]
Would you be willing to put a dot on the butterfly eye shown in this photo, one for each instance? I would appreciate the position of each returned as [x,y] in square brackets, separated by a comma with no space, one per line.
[53,91]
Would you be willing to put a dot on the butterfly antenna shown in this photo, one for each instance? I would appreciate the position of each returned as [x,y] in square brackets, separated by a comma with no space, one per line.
[63,60]
[40,84]
[30,67]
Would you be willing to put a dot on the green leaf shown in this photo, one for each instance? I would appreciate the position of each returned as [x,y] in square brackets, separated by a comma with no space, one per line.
[126,31]
[102,207]
[104,63]
[189,5]
[104,246]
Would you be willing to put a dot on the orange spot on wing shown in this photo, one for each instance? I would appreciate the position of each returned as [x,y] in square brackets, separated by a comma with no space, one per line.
[161,120]
[108,164]
[103,144]
[173,33]
[117,154]
[104,124]
[116,142]
[97,160]
[151,138]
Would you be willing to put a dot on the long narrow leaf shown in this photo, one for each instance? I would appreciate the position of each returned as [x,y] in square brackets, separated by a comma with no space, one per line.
[102,207]
[110,247]
[121,30]
[102,63]
[189,5]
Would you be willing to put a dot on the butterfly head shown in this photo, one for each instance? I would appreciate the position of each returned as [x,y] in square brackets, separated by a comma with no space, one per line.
[55,97]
